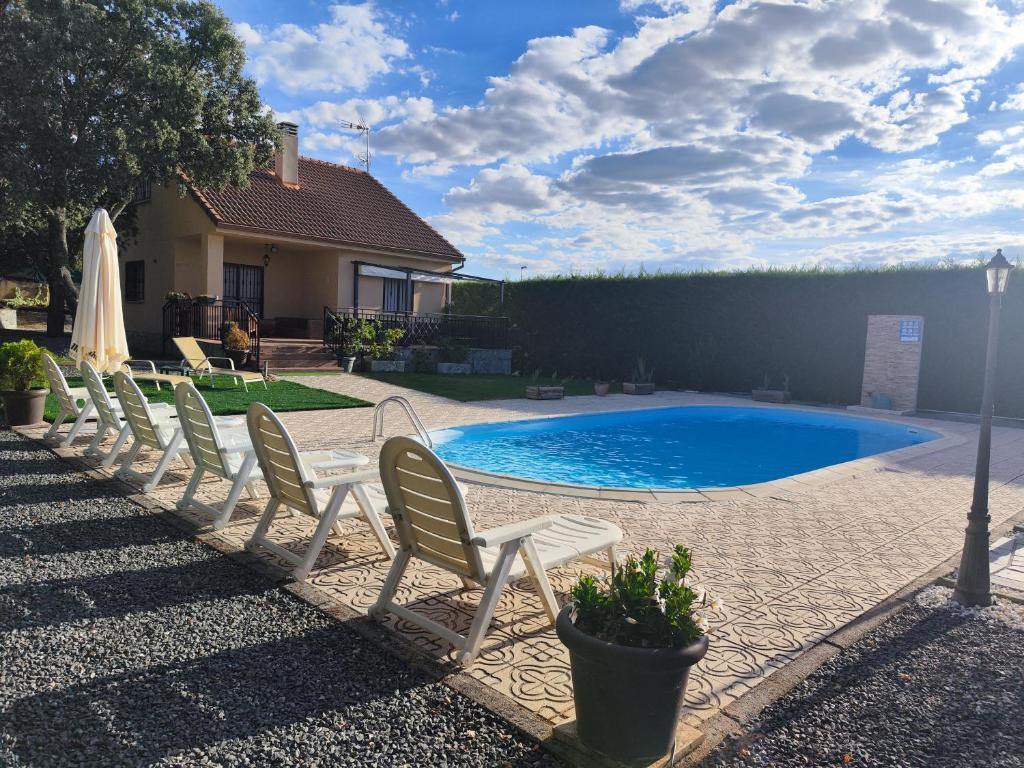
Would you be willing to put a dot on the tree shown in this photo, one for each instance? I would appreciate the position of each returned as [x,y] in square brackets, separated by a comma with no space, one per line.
[99,95]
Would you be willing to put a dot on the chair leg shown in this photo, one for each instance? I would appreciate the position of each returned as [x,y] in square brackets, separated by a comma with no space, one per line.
[170,452]
[370,516]
[93,449]
[122,436]
[232,499]
[323,529]
[129,458]
[190,490]
[250,488]
[539,577]
[244,385]
[52,431]
[264,524]
[83,416]
[390,588]
[495,583]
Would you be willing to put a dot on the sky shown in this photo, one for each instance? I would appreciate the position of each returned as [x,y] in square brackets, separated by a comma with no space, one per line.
[575,137]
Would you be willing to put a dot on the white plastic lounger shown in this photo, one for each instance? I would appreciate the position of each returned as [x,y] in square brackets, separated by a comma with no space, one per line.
[160,433]
[67,401]
[228,454]
[434,526]
[109,417]
[292,479]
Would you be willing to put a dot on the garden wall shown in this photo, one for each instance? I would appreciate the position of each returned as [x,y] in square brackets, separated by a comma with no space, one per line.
[726,331]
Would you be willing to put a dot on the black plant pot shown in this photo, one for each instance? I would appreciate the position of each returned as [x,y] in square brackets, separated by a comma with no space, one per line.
[238,356]
[24,407]
[628,700]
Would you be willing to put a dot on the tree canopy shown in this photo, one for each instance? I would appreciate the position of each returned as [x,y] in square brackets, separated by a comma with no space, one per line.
[99,95]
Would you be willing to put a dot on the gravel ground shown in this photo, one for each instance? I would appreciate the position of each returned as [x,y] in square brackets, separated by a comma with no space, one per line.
[927,688]
[124,642]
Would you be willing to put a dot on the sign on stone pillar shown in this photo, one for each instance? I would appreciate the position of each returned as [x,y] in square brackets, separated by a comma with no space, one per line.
[892,362]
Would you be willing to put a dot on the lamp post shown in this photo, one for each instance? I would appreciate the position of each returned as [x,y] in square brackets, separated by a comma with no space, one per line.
[973,585]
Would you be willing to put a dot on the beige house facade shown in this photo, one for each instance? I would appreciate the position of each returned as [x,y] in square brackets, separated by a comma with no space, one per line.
[303,236]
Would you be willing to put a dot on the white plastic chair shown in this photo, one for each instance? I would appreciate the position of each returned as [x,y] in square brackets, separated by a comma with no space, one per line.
[160,433]
[434,525]
[227,454]
[109,417]
[292,479]
[67,402]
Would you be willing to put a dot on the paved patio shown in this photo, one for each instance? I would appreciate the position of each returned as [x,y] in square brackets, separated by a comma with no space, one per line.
[793,560]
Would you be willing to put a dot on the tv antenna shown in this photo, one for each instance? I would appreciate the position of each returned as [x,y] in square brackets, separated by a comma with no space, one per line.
[364,130]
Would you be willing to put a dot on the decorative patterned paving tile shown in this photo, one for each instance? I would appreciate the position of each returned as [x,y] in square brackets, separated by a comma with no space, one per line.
[792,562]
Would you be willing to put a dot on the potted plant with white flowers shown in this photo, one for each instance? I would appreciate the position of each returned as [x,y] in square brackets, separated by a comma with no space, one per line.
[632,640]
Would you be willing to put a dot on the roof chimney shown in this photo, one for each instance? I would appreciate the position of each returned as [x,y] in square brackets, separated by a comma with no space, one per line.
[286,163]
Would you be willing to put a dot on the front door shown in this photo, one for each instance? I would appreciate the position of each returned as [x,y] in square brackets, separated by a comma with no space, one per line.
[244,283]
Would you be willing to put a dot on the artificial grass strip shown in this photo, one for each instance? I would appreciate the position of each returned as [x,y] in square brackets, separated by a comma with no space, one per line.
[227,400]
[467,389]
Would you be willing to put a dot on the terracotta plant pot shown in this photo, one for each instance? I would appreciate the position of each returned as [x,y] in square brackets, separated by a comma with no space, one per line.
[24,407]
[628,700]
[601,388]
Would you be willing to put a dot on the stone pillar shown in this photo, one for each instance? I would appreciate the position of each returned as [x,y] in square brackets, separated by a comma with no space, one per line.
[892,361]
[211,259]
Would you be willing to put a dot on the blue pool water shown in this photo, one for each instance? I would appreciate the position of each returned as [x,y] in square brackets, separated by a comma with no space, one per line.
[691,447]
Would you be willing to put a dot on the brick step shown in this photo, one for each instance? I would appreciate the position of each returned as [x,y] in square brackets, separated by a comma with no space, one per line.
[292,349]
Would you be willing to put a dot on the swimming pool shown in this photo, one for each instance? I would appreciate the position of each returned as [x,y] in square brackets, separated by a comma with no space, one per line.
[685,447]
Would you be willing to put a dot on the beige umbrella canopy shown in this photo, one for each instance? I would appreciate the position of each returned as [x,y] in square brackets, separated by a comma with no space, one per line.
[98,335]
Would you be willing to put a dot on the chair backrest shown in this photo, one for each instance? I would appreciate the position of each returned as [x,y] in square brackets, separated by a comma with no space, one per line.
[428,507]
[279,460]
[136,411]
[59,386]
[99,396]
[200,429]
[191,352]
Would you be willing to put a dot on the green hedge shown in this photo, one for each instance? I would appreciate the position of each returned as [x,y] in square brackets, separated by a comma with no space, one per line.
[725,331]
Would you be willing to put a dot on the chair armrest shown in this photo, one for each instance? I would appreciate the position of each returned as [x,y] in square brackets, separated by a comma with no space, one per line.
[325,461]
[230,361]
[363,476]
[506,533]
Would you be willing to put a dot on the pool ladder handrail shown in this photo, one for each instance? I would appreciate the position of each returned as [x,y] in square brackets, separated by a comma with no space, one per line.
[410,412]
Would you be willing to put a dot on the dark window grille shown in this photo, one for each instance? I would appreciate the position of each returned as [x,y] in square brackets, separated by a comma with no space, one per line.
[135,281]
[143,192]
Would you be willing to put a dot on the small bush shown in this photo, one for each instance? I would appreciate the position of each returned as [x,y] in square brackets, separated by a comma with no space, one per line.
[452,350]
[236,340]
[635,609]
[21,365]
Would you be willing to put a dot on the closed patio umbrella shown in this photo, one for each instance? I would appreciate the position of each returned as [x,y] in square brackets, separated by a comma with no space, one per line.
[98,335]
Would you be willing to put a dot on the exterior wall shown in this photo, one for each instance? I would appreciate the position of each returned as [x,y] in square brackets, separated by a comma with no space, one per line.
[892,360]
[184,251]
[29,289]
[170,230]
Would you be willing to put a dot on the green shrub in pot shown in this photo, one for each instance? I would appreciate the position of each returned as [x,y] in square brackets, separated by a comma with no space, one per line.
[632,640]
[22,382]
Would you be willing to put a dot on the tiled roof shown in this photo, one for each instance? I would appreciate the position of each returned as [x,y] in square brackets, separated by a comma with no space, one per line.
[333,203]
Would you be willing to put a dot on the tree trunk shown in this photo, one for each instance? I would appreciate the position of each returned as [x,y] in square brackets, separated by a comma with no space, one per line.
[58,237]
[70,291]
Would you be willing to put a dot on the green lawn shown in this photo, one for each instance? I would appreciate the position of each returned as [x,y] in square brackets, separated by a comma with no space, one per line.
[226,400]
[480,387]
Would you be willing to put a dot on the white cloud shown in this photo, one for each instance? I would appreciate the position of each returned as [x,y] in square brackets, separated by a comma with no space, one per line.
[347,52]
[1015,100]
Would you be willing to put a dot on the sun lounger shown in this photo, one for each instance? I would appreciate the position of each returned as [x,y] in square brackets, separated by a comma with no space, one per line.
[194,357]
[295,482]
[434,526]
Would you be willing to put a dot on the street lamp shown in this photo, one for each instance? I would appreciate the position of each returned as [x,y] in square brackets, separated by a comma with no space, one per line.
[973,586]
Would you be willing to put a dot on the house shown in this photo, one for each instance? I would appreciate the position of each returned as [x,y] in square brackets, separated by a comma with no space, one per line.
[305,236]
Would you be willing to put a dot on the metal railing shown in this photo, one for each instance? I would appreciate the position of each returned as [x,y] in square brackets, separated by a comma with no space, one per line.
[410,412]
[204,320]
[477,331]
